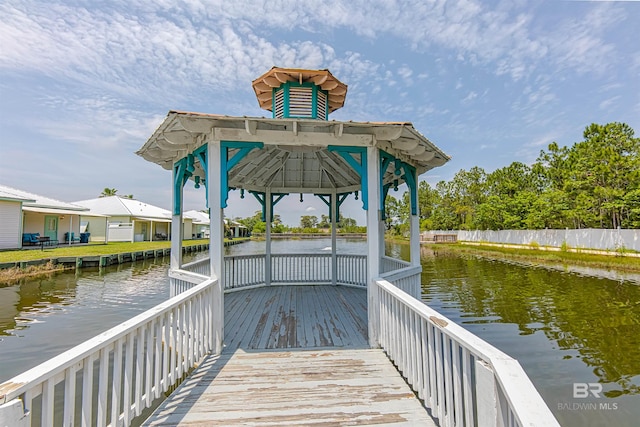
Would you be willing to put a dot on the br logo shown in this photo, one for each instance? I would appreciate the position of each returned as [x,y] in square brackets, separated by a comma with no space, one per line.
[582,390]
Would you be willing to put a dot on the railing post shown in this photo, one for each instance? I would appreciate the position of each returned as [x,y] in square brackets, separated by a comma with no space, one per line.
[487,403]
[13,414]
[374,241]
[267,259]
[216,241]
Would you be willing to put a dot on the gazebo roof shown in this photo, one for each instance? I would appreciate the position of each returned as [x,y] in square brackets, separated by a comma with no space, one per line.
[296,155]
[276,76]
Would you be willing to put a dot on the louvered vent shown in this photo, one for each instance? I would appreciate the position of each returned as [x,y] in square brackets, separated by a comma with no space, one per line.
[278,109]
[322,106]
[301,102]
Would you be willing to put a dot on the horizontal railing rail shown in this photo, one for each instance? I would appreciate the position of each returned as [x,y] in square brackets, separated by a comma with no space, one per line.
[409,279]
[462,379]
[121,371]
[388,264]
[201,266]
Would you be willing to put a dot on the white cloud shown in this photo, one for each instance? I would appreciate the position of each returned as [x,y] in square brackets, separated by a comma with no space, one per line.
[608,103]
[310,209]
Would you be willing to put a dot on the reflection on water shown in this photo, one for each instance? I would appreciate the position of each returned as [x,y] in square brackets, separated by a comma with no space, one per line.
[42,317]
[563,328]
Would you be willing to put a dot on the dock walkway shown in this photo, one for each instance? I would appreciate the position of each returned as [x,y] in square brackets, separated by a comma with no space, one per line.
[294,355]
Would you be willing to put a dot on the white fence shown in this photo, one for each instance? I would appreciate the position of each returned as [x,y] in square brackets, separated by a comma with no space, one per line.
[463,380]
[588,238]
[121,372]
[120,232]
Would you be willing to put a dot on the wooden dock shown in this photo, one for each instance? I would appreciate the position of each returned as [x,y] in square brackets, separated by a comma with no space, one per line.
[294,355]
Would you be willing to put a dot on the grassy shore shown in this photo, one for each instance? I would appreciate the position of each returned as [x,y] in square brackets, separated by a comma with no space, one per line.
[12,275]
[614,262]
[93,249]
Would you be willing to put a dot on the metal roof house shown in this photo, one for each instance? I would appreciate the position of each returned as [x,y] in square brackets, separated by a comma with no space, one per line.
[130,220]
[25,212]
[286,338]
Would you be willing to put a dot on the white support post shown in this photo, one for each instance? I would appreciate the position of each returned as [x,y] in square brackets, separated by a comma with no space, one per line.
[373,241]
[176,241]
[334,255]
[133,227]
[216,241]
[415,230]
[12,414]
[486,394]
[267,256]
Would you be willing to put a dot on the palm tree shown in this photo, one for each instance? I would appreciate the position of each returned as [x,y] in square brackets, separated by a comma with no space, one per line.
[108,192]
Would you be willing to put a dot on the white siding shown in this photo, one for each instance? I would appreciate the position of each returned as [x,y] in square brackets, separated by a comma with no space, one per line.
[10,230]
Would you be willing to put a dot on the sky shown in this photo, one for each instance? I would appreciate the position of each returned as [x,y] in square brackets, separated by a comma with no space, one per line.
[83,84]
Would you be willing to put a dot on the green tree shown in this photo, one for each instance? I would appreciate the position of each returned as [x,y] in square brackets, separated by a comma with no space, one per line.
[108,192]
[308,221]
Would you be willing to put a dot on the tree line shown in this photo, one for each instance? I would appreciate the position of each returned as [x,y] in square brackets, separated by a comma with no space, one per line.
[593,184]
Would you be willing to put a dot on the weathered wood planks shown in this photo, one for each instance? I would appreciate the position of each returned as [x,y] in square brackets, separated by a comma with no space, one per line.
[301,387]
[296,317]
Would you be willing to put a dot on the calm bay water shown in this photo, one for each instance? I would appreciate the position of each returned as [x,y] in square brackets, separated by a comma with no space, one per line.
[563,327]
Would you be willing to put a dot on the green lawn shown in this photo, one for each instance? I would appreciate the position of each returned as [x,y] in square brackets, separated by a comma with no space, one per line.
[92,249]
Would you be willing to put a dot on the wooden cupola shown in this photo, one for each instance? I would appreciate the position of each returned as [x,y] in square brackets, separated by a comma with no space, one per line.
[298,93]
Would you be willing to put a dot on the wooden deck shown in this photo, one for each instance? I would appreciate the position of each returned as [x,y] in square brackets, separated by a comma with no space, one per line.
[294,355]
[296,317]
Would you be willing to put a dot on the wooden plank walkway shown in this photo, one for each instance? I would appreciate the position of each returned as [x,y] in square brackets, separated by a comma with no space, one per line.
[296,317]
[294,355]
[329,387]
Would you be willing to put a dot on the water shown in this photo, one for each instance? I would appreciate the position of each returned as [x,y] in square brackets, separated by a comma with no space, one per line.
[563,327]
[43,317]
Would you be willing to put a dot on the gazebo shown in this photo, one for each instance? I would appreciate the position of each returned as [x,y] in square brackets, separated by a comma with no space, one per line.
[296,151]
[369,354]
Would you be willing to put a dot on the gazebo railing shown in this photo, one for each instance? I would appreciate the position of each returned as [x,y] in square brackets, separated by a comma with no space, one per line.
[409,279]
[243,271]
[119,372]
[462,379]
[388,264]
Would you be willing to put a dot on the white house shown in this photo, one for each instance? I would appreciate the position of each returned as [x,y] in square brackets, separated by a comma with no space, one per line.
[24,212]
[130,220]
[200,228]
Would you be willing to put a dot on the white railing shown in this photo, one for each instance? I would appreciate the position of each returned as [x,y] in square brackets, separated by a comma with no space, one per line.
[352,270]
[301,268]
[201,266]
[409,279]
[242,271]
[120,372]
[462,379]
[183,280]
[388,264]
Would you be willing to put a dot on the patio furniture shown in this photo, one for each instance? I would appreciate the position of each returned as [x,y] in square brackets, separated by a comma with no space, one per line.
[73,237]
[30,239]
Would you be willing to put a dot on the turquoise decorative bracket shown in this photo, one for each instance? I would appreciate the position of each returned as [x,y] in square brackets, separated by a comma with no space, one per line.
[261,197]
[182,170]
[402,171]
[326,198]
[227,164]
[360,166]
[201,155]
